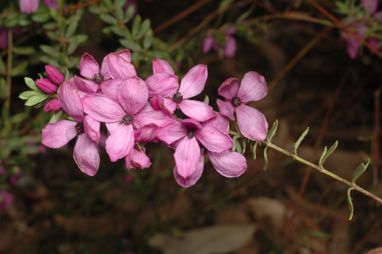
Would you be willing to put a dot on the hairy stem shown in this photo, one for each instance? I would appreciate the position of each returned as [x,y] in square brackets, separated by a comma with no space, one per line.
[323,171]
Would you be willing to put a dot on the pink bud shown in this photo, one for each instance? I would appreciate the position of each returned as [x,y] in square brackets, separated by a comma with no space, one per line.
[46,85]
[52,105]
[53,74]
[28,6]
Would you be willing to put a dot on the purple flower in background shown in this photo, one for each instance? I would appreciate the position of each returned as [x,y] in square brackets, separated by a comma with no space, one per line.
[131,3]
[252,123]
[3,38]
[51,4]
[6,199]
[230,47]
[28,6]
[15,177]
[370,5]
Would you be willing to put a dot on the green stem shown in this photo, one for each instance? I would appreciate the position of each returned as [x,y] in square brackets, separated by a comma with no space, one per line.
[323,171]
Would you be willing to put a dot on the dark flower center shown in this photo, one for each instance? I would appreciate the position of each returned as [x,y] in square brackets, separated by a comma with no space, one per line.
[98,78]
[236,101]
[79,128]
[190,133]
[177,97]
[127,119]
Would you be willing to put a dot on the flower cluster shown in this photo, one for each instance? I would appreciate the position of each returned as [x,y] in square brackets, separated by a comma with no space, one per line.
[230,46]
[136,111]
[366,25]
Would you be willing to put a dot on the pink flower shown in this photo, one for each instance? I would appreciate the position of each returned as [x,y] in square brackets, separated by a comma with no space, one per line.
[370,5]
[137,158]
[15,177]
[122,116]
[230,47]
[28,6]
[115,66]
[187,136]
[51,4]
[6,199]
[252,123]
[87,130]
[164,84]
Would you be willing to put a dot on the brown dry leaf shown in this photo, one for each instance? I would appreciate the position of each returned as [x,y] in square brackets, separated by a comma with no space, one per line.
[375,251]
[217,239]
[269,210]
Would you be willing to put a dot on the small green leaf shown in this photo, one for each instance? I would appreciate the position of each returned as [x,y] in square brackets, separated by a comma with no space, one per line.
[108,19]
[24,50]
[223,4]
[19,69]
[272,131]
[299,140]
[148,39]
[31,84]
[50,51]
[266,158]
[129,13]
[146,25]
[130,45]
[327,153]
[237,145]
[36,99]
[136,26]
[254,148]
[350,203]
[41,17]
[27,94]
[206,99]
[120,31]
[71,28]
[244,146]
[55,117]
[359,170]
[118,8]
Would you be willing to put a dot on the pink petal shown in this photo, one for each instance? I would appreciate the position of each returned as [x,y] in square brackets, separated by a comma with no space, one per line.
[370,5]
[125,54]
[169,105]
[252,88]
[172,132]
[228,163]
[85,85]
[86,155]
[160,66]
[208,42]
[88,66]
[28,6]
[162,84]
[197,110]
[192,179]
[252,123]
[146,134]
[230,47]
[213,139]
[133,95]
[158,118]
[70,101]
[111,127]
[92,128]
[187,156]
[58,134]
[102,109]
[54,75]
[191,124]
[115,66]
[46,85]
[228,89]
[230,31]
[137,159]
[120,142]
[110,88]
[220,122]
[194,81]
[225,108]
[156,102]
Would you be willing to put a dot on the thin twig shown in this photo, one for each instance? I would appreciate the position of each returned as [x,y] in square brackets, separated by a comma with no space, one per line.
[180,16]
[323,171]
[81,5]
[375,142]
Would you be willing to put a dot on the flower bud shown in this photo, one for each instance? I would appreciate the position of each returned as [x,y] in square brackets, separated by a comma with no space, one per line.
[46,85]
[52,105]
[54,75]
[28,6]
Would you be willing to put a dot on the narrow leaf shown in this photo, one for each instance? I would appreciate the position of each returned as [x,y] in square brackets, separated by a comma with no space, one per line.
[36,99]
[130,45]
[327,153]
[23,50]
[359,170]
[237,145]
[108,19]
[206,99]
[148,39]
[129,13]
[266,158]
[55,117]
[350,203]
[272,131]
[299,140]
[254,148]
[27,94]
[244,146]
[50,51]
[136,26]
